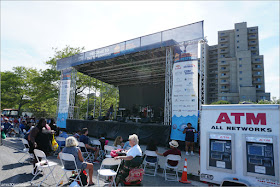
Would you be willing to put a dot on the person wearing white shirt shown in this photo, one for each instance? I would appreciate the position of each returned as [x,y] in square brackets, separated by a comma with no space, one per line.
[135,149]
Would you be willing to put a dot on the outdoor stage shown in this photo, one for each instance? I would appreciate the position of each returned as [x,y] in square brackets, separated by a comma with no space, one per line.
[145,131]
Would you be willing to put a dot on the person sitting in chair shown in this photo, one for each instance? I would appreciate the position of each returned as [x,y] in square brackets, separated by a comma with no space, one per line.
[85,139]
[173,151]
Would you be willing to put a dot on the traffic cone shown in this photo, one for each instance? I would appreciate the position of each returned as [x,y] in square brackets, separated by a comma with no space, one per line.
[184,178]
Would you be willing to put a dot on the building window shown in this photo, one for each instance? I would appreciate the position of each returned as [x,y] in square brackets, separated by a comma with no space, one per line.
[224,98]
[263,97]
[223,74]
[223,62]
[240,72]
[243,97]
[222,50]
[240,59]
[257,66]
[223,87]
[253,41]
[222,56]
[223,68]
[222,34]
[222,39]
[252,30]
[258,73]
[238,35]
[253,47]
[237,41]
[240,65]
[240,79]
[258,86]
[237,47]
[258,79]
[258,59]
[224,80]
[237,29]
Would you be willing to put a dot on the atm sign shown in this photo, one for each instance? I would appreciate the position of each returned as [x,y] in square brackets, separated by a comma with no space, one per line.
[220,137]
[259,139]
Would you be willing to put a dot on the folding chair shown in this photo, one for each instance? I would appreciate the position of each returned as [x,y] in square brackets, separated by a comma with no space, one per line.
[65,157]
[44,163]
[88,156]
[25,150]
[60,141]
[101,154]
[108,150]
[155,164]
[173,158]
[109,172]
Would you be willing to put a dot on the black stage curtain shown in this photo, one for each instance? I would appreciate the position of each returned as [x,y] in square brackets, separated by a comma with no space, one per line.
[113,129]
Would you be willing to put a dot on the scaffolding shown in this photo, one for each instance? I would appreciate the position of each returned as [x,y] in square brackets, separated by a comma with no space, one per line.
[71,109]
[168,87]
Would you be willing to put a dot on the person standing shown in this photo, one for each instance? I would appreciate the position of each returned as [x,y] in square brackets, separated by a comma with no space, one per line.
[189,131]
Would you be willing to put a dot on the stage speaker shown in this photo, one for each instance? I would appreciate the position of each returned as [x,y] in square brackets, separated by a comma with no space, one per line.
[101,118]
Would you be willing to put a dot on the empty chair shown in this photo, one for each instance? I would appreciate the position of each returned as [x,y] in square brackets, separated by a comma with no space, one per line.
[108,172]
[42,164]
[108,150]
[88,156]
[173,158]
[65,157]
[61,142]
[25,150]
[150,162]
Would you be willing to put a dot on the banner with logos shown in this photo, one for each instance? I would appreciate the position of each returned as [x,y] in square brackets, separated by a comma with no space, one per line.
[64,98]
[185,90]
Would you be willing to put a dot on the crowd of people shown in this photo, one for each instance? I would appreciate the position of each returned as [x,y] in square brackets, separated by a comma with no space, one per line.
[40,137]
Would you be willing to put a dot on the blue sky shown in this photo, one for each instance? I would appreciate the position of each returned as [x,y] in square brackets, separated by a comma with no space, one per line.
[29,30]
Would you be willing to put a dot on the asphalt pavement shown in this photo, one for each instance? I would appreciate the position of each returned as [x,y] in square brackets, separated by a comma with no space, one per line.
[14,173]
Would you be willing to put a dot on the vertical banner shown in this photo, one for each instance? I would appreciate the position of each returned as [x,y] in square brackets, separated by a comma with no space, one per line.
[64,98]
[185,90]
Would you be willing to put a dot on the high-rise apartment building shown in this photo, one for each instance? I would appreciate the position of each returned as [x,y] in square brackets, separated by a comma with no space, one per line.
[235,69]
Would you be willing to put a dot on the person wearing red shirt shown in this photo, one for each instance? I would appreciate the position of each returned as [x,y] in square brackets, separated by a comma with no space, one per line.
[173,151]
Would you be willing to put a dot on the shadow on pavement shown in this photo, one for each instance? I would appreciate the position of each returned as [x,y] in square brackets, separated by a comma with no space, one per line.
[12,166]
[20,178]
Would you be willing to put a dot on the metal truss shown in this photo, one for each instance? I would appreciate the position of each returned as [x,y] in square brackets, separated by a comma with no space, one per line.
[168,87]
[71,108]
[58,100]
[203,71]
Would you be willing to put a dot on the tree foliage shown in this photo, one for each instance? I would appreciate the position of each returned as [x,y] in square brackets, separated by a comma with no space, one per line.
[36,91]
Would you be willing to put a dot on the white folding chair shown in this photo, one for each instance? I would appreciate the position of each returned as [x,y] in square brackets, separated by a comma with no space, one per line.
[155,164]
[97,143]
[173,158]
[108,150]
[109,172]
[25,150]
[87,155]
[65,157]
[43,164]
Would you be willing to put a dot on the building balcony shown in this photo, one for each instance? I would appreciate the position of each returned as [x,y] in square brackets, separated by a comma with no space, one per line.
[257,69]
[257,60]
[257,82]
[225,76]
[224,70]
[253,48]
[252,31]
[253,42]
[223,40]
[223,34]
[222,46]
[224,63]
[257,75]
[224,83]
[252,37]
[213,91]
[214,57]
[224,89]
[223,51]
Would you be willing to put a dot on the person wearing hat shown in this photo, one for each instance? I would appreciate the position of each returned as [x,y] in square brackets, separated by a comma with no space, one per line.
[172,151]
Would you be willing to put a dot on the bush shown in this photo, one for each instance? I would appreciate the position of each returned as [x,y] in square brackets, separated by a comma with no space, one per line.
[221,102]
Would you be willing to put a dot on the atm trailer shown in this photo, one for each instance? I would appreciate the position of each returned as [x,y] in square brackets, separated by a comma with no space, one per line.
[239,144]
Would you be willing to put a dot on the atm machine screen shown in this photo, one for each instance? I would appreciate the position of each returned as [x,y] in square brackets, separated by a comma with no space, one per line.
[220,154]
[256,150]
[260,158]
[218,146]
